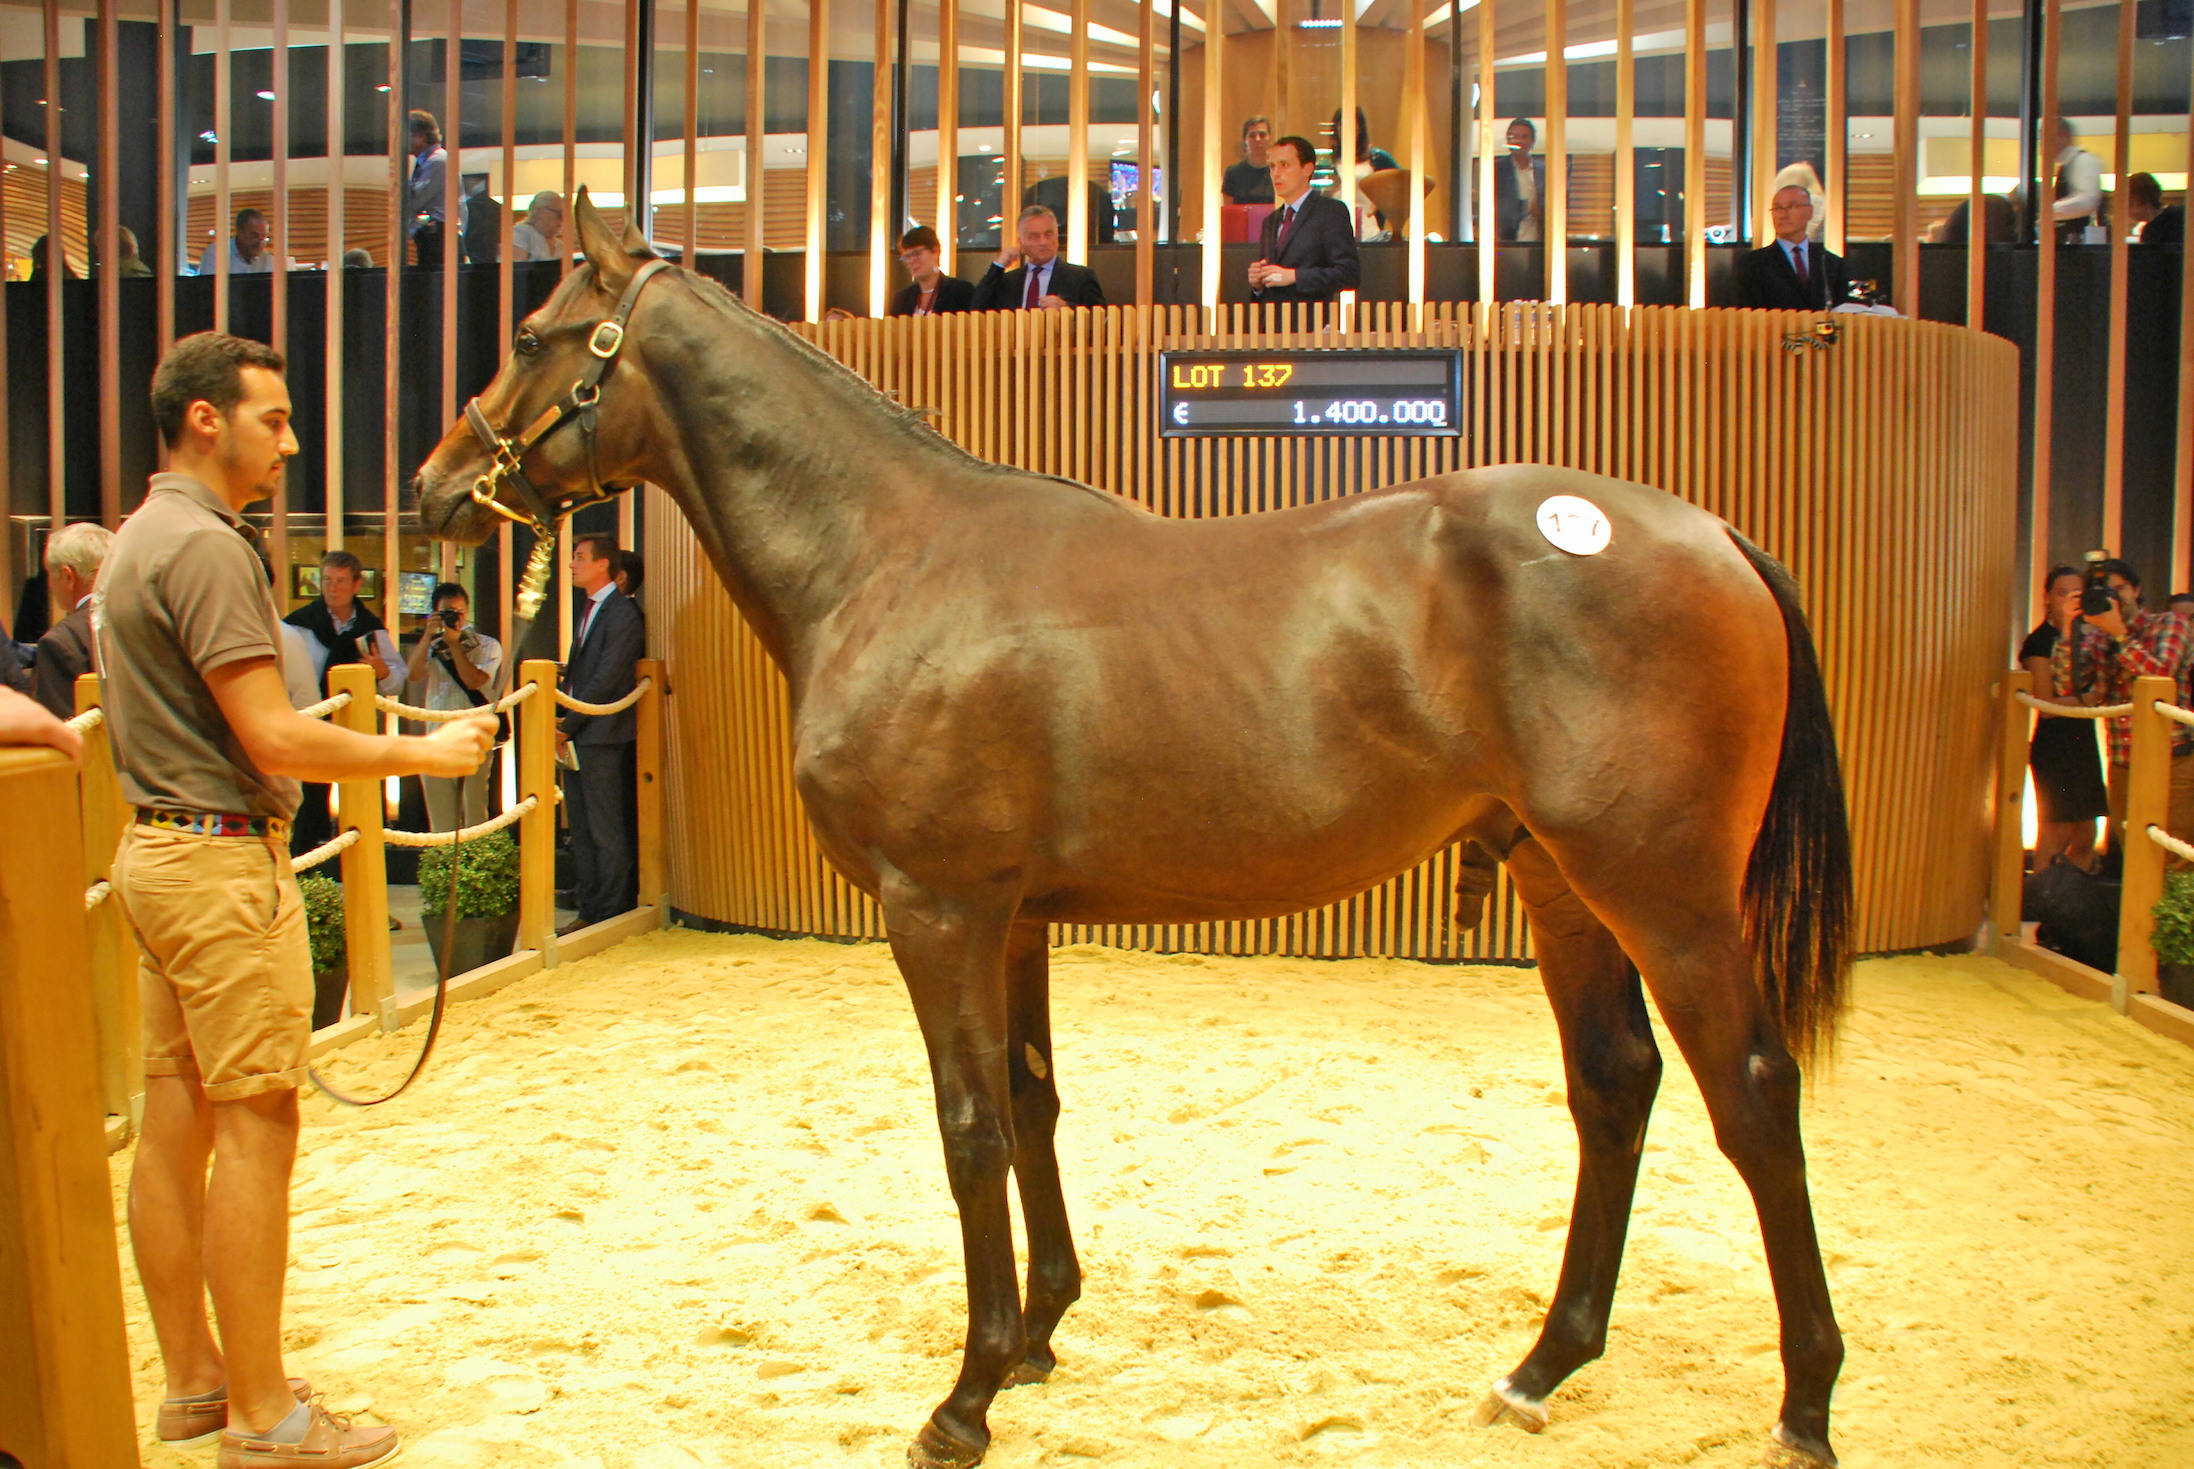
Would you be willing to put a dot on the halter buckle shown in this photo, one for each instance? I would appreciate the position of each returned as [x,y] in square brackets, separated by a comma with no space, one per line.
[608,337]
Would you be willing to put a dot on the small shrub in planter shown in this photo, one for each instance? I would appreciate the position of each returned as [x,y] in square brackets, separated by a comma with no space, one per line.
[487,900]
[330,958]
[2173,938]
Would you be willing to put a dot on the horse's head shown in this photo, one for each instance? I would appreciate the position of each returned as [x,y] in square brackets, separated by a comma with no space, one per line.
[562,425]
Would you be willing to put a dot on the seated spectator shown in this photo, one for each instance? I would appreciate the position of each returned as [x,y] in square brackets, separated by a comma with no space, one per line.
[2068,783]
[1999,219]
[1030,275]
[2161,223]
[133,266]
[631,575]
[536,235]
[1792,274]
[457,664]
[37,254]
[1250,180]
[929,292]
[1519,187]
[2121,645]
[248,252]
[357,260]
[73,557]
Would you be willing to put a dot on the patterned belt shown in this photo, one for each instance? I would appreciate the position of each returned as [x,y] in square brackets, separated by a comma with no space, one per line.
[214,823]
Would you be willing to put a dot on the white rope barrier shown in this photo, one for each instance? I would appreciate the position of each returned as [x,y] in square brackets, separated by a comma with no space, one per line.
[2173,711]
[445,838]
[87,721]
[503,705]
[97,893]
[578,706]
[326,850]
[2170,843]
[2076,711]
[326,706]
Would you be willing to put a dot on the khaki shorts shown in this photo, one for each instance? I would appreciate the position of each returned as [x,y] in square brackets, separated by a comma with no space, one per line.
[226,976]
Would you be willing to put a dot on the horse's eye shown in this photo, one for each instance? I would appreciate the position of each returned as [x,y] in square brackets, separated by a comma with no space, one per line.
[527,344]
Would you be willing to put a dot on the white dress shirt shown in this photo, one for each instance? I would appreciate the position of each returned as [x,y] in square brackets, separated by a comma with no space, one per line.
[238,265]
[423,195]
[528,243]
[2082,173]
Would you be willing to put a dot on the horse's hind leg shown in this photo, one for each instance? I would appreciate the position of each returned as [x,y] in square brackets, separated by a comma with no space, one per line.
[1054,1274]
[1613,1071]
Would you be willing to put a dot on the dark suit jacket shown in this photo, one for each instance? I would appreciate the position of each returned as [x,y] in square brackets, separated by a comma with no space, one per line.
[953,294]
[1320,249]
[1764,280]
[63,654]
[603,669]
[2167,228]
[1508,203]
[1005,290]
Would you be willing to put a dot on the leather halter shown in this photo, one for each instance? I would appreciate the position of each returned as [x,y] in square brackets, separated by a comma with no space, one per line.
[542,512]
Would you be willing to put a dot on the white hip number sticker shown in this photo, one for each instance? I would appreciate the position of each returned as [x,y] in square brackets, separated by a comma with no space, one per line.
[1574,524]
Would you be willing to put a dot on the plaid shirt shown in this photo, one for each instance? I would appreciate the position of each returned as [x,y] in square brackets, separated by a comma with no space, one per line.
[2157,645]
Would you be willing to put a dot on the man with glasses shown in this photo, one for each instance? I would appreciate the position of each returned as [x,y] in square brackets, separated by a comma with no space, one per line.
[1792,274]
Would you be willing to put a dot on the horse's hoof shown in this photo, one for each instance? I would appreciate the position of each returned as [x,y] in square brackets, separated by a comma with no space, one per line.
[1505,1404]
[1036,1367]
[933,1448]
[1785,1450]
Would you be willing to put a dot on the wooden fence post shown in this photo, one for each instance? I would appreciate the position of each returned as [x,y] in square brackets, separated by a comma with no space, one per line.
[2147,803]
[365,869]
[64,1363]
[2006,894]
[103,815]
[537,828]
[648,779]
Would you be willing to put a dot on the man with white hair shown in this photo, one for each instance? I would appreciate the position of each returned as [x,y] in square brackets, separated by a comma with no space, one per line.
[73,558]
[535,237]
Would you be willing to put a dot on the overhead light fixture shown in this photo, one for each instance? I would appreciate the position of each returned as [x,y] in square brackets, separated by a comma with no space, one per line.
[266,96]
[1316,24]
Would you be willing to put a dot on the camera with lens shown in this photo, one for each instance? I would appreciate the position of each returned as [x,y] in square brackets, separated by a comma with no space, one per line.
[2095,594]
[450,617]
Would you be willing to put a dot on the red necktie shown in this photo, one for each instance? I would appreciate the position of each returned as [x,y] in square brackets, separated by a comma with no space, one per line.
[1287,217]
[586,616]
[1797,258]
[1035,280]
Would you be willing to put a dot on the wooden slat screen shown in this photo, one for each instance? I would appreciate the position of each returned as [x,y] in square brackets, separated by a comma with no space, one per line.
[1882,471]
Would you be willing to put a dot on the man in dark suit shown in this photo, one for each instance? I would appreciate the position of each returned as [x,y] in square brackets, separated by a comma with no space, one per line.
[1791,274]
[1308,244]
[1033,276]
[73,558]
[1519,186]
[931,292]
[608,640]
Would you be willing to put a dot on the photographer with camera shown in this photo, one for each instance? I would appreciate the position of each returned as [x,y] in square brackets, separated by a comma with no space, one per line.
[459,664]
[2121,643]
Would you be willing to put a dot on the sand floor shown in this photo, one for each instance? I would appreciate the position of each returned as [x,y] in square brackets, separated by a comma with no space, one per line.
[683,1203]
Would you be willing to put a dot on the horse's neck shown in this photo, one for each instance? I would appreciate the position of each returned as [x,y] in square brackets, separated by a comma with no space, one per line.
[793,481]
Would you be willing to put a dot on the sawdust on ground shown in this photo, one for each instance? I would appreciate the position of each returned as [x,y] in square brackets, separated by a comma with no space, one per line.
[683,1204]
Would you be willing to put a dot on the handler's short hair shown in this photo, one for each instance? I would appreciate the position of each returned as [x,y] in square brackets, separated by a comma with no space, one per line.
[81,547]
[1306,152]
[343,561]
[205,367]
[601,545]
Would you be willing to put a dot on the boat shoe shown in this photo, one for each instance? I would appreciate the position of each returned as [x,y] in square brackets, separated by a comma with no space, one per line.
[329,1443]
[192,1423]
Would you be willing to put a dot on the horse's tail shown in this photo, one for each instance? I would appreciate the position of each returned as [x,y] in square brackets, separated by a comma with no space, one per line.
[1797,892]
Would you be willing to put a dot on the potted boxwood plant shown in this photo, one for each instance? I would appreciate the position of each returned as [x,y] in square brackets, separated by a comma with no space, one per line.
[487,900]
[330,955]
[2173,937]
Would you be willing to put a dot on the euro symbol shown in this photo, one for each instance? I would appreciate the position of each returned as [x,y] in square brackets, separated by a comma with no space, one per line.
[1180,413]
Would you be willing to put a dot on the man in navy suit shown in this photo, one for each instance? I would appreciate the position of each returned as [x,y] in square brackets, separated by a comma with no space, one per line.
[1309,242]
[608,639]
[1792,274]
[1032,276]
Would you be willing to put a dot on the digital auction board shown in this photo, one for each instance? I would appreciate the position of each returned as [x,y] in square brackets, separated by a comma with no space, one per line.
[1344,391]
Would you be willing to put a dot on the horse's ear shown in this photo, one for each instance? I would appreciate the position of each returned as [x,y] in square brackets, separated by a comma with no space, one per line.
[612,266]
[636,244]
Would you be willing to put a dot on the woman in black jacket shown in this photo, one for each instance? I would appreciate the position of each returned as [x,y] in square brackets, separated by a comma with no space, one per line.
[931,292]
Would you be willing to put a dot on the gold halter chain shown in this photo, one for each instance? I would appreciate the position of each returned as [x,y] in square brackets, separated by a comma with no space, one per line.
[545,512]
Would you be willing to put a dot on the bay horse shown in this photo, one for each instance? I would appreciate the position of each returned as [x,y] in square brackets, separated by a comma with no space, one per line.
[1018,701]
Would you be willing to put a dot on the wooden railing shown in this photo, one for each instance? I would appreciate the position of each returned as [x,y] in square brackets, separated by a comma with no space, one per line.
[2131,988]
[360,846]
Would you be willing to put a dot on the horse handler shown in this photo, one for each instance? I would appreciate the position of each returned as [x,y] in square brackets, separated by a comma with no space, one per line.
[211,753]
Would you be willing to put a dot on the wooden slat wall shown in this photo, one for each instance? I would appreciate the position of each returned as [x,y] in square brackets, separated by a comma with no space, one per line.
[25,212]
[365,221]
[1887,461]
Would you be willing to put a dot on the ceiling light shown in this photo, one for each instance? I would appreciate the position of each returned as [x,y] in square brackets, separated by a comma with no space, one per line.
[267,96]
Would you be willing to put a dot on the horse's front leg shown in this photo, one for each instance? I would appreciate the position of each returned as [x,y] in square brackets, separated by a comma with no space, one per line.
[951,952]
[1054,1274]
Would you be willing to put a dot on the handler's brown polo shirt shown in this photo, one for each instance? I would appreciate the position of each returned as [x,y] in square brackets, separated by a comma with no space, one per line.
[183,592]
